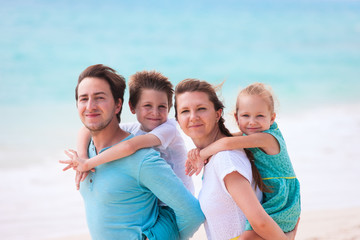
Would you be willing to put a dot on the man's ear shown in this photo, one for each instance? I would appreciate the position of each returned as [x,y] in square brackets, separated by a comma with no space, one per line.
[118,106]
[132,109]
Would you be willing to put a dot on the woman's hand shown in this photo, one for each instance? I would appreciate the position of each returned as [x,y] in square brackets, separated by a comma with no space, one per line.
[291,235]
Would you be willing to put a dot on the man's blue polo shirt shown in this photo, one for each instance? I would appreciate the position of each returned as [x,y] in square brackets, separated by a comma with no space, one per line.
[121,199]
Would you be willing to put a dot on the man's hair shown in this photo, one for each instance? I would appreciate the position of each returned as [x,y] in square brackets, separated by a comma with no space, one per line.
[115,80]
[149,80]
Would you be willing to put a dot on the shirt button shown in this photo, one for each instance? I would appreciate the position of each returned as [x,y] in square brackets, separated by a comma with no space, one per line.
[90,180]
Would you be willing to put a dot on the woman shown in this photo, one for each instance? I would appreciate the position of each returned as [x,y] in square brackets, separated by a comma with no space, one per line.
[230,191]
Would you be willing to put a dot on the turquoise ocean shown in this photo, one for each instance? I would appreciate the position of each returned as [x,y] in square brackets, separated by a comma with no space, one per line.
[308,51]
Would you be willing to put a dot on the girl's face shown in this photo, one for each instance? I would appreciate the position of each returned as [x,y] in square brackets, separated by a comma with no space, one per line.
[197,116]
[152,109]
[253,114]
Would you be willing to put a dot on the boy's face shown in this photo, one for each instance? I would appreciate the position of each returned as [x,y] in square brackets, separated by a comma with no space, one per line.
[152,109]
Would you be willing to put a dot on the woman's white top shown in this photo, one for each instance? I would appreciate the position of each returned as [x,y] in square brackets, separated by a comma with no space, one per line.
[224,219]
[172,148]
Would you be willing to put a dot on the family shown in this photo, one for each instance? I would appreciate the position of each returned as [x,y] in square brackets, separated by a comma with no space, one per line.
[135,178]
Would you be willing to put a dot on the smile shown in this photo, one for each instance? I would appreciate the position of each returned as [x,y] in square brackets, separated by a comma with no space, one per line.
[92,115]
[154,119]
[195,126]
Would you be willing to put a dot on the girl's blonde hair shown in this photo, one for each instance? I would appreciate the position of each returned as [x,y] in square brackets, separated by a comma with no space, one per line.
[258,89]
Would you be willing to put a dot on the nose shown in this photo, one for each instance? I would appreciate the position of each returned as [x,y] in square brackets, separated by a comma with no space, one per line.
[193,116]
[91,104]
[252,121]
[156,112]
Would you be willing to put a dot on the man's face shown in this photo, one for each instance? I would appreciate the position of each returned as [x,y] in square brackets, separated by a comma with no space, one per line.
[96,105]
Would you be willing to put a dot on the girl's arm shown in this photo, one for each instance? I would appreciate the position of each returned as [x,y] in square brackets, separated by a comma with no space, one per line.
[196,158]
[265,141]
[244,196]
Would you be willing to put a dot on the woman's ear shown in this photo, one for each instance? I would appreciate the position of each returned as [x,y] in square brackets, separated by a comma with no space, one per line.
[132,109]
[218,114]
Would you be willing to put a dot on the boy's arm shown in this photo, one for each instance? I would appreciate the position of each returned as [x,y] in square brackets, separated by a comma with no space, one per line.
[123,149]
[264,141]
[83,140]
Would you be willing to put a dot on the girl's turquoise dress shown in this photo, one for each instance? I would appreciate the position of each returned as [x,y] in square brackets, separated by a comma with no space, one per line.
[283,204]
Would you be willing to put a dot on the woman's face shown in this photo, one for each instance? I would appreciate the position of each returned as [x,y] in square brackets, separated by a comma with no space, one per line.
[197,116]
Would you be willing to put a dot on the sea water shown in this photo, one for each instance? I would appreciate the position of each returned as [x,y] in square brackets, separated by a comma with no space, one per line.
[308,51]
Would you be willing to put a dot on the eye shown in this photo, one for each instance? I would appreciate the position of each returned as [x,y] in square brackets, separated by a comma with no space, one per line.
[245,115]
[184,111]
[83,99]
[260,116]
[201,108]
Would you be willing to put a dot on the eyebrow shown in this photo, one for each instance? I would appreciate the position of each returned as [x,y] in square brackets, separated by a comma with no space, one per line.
[97,93]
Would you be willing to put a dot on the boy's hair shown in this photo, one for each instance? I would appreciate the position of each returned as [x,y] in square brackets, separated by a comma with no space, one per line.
[115,80]
[149,80]
[259,89]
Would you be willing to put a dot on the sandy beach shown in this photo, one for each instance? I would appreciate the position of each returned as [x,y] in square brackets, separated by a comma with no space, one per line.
[339,224]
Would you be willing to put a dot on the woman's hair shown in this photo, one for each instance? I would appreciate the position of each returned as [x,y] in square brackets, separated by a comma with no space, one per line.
[259,89]
[115,80]
[195,85]
[149,80]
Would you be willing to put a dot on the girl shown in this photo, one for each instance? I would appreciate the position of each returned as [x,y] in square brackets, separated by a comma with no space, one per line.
[150,99]
[255,117]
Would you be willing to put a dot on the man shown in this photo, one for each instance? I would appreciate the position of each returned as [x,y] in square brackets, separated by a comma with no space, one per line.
[121,196]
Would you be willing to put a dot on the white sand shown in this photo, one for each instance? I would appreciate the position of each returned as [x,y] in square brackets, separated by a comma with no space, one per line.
[340,224]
